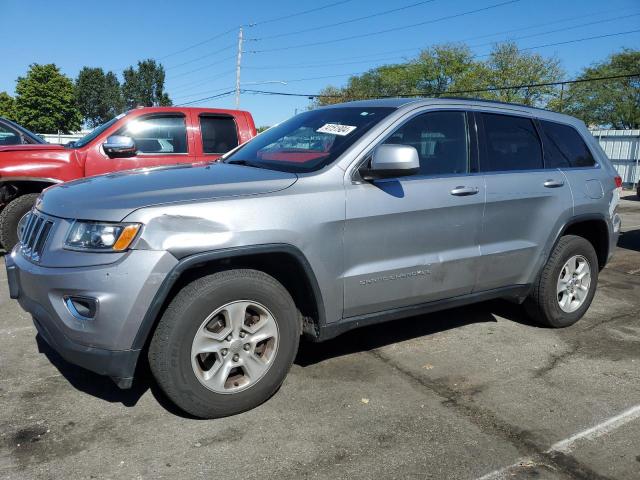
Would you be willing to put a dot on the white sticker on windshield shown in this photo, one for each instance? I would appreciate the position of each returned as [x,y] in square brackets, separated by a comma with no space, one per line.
[336,129]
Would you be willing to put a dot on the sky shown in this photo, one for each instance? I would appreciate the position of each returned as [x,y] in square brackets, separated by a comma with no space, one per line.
[196,41]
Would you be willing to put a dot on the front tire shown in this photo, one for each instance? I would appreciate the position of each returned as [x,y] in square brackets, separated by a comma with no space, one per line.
[11,215]
[565,288]
[225,343]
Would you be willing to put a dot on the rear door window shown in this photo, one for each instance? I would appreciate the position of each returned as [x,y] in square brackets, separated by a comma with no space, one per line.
[219,133]
[510,143]
[165,134]
[441,139]
[564,147]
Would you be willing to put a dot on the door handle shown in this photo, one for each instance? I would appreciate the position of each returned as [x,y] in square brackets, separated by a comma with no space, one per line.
[462,191]
[553,183]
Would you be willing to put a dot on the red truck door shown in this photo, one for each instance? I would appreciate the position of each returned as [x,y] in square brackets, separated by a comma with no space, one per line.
[165,138]
[219,133]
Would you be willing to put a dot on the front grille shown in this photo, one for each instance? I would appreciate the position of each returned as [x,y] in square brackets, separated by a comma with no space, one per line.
[34,235]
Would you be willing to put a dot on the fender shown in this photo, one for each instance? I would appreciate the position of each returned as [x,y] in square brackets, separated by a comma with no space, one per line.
[572,221]
[191,261]
[58,164]
[30,179]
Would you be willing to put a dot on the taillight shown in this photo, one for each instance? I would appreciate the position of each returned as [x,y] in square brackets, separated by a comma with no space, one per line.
[618,180]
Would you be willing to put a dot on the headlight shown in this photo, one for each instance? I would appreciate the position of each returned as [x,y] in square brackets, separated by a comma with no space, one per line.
[104,237]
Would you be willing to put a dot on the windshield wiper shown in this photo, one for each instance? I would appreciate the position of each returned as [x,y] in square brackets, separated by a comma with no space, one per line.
[245,163]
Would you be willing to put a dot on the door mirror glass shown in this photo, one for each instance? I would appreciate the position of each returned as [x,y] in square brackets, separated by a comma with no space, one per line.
[120,146]
[390,161]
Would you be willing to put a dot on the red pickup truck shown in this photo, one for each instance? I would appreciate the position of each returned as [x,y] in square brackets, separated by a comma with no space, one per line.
[143,137]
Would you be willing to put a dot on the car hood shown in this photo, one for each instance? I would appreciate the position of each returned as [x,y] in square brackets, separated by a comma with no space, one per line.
[41,147]
[112,197]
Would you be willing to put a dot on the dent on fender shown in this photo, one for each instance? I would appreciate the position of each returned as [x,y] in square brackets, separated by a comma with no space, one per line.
[171,232]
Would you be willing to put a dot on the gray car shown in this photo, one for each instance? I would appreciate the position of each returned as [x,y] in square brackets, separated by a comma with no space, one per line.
[340,217]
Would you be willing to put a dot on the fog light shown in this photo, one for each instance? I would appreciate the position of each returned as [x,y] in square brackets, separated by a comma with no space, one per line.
[82,308]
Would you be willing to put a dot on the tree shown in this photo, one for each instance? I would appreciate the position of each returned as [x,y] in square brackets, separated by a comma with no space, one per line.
[453,69]
[144,85]
[45,101]
[98,96]
[434,71]
[7,106]
[610,103]
[508,66]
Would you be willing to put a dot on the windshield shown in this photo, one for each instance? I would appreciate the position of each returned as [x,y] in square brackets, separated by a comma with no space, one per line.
[94,133]
[309,141]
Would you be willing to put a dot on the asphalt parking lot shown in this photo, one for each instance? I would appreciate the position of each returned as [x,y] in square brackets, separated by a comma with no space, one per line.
[467,393]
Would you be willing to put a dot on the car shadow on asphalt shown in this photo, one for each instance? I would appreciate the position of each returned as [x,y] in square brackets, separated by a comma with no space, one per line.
[361,339]
[630,240]
[387,333]
[103,387]
[631,197]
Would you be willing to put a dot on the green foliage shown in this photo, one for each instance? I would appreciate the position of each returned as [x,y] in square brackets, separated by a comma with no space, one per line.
[7,106]
[507,66]
[144,85]
[610,103]
[262,128]
[98,96]
[45,101]
[451,69]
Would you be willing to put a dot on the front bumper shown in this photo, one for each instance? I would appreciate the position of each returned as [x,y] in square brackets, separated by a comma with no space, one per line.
[123,290]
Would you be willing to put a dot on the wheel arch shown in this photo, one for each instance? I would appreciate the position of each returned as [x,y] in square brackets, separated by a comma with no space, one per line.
[13,187]
[593,228]
[284,262]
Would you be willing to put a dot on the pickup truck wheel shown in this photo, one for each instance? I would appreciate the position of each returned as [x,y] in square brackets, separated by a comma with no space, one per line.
[11,215]
[566,286]
[225,343]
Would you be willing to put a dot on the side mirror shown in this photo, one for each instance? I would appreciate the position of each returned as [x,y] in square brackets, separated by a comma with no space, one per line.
[120,146]
[391,161]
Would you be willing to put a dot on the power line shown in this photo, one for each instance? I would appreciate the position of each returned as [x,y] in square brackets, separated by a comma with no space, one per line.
[474,56]
[218,51]
[204,67]
[344,22]
[578,40]
[206,92]
[455,92]
[224,94]
[234,29]
[222,34]
[417,50]
[388,30]
[293,15]
[562,29]
[358,59]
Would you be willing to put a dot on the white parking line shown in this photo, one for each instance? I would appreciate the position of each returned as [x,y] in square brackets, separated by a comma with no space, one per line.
[603,428]
[566,445]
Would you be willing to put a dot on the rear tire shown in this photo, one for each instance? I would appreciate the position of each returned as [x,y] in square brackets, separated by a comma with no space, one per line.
[565,288]
[11,215]
[226,379]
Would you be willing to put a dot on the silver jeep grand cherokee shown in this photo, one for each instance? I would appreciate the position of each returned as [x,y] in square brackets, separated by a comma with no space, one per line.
[337,218]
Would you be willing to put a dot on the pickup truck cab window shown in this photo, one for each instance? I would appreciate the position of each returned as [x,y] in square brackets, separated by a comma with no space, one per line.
[219,133]
[158,134]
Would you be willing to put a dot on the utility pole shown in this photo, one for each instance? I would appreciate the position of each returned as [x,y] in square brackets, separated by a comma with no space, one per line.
[238,63]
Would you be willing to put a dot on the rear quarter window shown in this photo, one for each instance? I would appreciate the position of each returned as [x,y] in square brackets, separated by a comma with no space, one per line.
[564,147]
